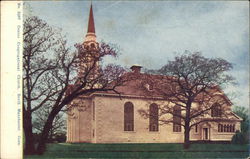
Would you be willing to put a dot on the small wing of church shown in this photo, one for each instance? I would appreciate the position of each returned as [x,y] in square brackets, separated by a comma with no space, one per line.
[108,117]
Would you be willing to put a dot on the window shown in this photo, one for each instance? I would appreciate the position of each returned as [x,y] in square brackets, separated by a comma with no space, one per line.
[93,111]
[177,119]
[86,47]
[216,110]
[128,116]
[153,118]
[226,128]
[220,128]
[196,128]
[92,45]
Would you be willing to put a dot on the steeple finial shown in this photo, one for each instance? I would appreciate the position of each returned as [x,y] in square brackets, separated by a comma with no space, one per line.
[91,25]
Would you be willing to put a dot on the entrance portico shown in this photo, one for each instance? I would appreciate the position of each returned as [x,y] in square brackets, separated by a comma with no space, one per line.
[205,131]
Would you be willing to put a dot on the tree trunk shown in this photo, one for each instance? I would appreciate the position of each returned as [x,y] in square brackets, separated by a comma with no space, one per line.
[48,125]
[186,137]
[46,129]
[186,126]
[29,147]
[44,136]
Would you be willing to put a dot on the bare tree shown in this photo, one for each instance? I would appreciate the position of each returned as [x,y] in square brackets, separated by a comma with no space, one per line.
[55,75]
[40,41]
[191,86]
[81,75]
[58,126]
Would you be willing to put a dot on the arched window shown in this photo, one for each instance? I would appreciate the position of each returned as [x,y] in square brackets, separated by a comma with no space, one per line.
[92,45]
[93,111]
[128,116]
[216,110]
[196,128]
[219,127]
[225,128]
[177,119]
[86,47]
[153,117]
[228,128]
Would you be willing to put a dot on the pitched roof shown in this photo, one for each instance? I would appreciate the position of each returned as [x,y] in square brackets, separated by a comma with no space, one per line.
[143,85]
[138,85]
[151,86]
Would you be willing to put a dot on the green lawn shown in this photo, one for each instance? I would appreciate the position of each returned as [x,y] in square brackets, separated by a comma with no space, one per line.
[137,151]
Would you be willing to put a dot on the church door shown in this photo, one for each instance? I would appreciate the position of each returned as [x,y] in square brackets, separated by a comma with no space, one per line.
[205,134]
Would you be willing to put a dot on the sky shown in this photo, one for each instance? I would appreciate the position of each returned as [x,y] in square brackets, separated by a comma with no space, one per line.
[152,33]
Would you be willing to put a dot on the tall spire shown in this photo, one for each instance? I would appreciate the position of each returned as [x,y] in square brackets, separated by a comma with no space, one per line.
[91,26]
[90,37]
[92,48]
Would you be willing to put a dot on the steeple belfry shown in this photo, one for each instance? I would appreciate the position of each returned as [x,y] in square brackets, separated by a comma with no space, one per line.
[90,38]
[88,59]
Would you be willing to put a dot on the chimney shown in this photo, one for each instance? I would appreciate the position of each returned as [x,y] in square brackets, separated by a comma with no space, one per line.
[136,68]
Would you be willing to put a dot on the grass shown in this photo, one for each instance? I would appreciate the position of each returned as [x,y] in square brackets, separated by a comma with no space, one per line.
[138,151]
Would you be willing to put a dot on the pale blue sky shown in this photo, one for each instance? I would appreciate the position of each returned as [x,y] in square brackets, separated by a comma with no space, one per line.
[151,33]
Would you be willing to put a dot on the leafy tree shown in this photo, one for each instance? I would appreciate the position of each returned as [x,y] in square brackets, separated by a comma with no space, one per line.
[243,136]
[190,83]
[243,113]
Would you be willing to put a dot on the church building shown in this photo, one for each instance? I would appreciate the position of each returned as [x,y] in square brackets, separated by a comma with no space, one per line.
[109,117]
